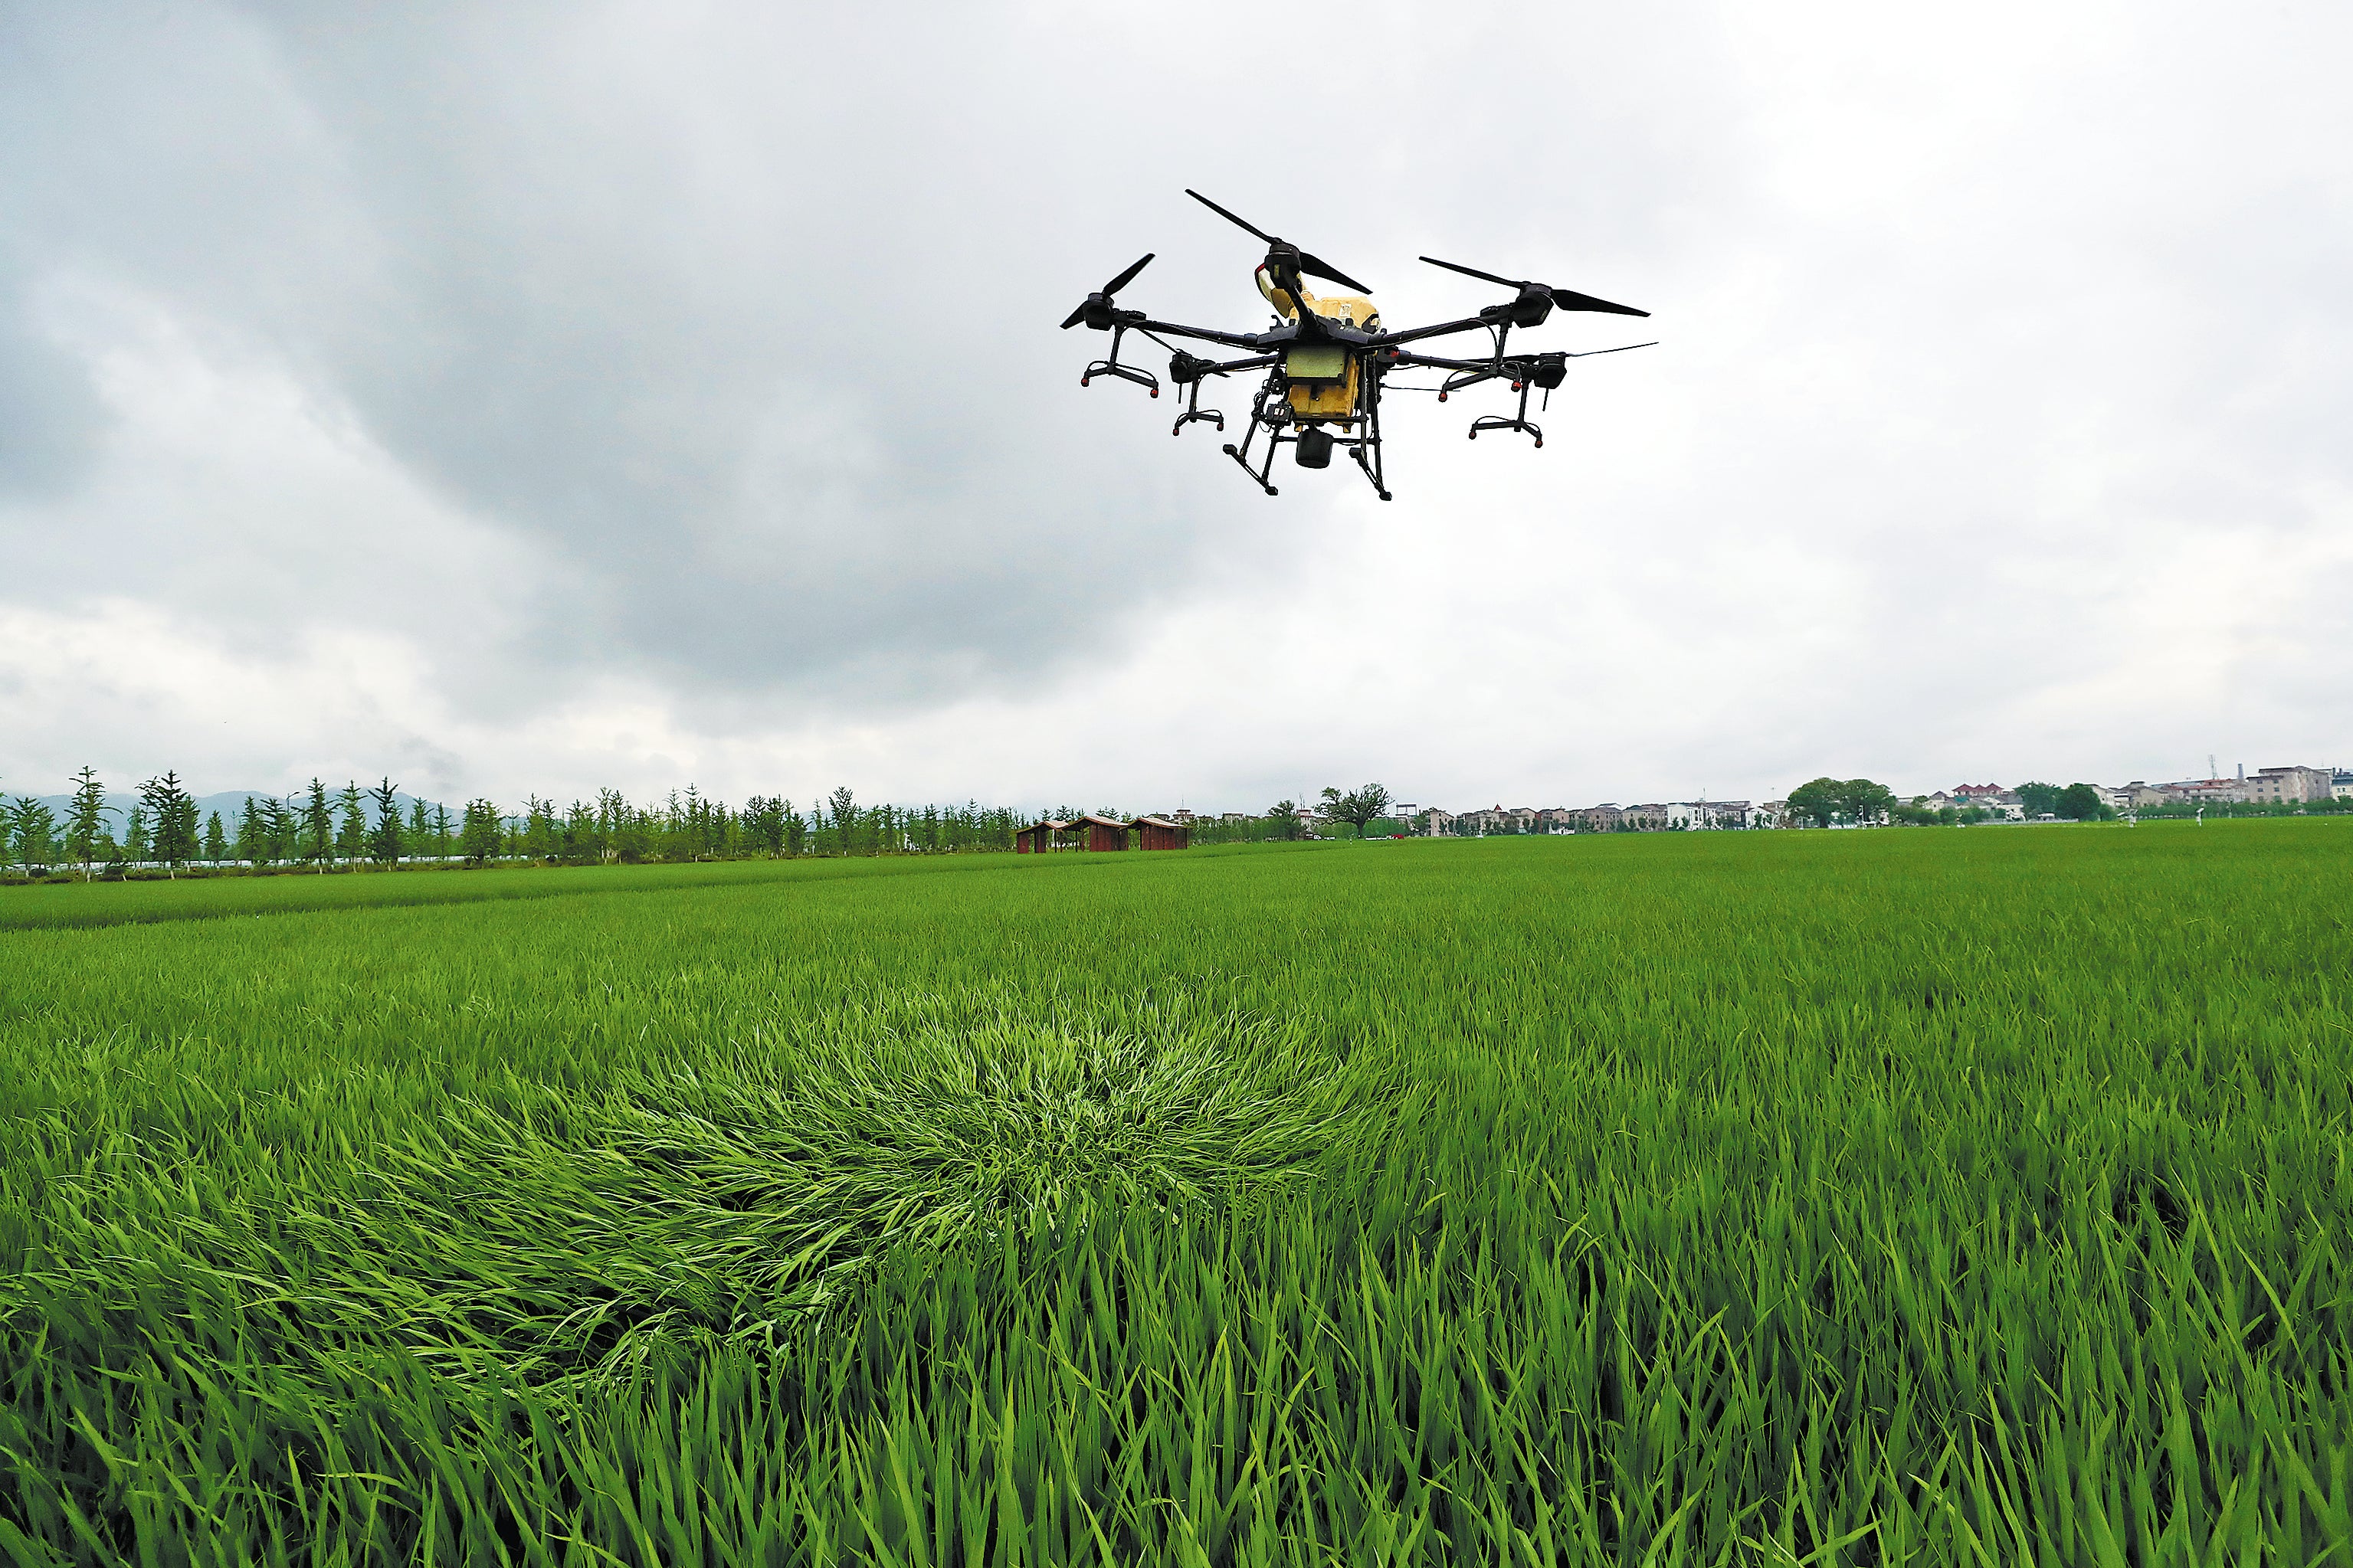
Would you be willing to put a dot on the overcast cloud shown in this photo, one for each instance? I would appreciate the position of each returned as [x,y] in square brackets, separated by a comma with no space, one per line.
[545,397]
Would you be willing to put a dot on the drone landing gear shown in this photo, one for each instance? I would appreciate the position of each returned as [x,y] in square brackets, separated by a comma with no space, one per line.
[1270,414]
[1186,371]
[1517,422]
[1258,475]
[1312,443]
[1497,422]
[1142,378]
[1367,448]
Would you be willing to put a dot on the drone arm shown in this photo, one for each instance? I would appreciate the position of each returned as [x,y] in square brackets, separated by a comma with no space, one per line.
[1434,362]
[1443,328]
[1202,334]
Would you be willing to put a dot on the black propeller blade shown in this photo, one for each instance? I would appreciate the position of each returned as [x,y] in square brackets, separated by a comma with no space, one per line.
[1230,218]
[1315,268]
[1310,265]
[1101,298]
[1562,299]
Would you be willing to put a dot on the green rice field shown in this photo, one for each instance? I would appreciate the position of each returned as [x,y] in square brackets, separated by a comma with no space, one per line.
[1941,1196]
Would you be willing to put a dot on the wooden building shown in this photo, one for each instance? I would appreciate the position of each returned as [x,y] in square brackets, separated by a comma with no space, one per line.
[1093,832]
[1038,837]
[1159,833]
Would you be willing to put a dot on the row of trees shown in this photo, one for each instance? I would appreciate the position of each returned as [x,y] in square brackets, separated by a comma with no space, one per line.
[309,828]
[321,830]
[163,826]
[1825,802]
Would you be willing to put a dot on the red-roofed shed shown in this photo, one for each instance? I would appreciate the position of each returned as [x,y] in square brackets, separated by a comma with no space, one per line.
[1094,832]
[1159,833]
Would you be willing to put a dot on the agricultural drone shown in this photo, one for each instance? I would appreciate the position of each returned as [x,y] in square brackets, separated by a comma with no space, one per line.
[1327,355]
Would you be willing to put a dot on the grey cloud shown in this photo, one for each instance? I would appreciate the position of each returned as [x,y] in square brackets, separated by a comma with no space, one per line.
[51,419]
[711,351]
[741,348]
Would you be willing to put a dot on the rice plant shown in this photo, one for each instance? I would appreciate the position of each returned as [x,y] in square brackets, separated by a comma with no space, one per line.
[1967,1197]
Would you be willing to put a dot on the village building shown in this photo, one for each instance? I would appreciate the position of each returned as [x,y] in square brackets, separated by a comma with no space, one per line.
[2278,786]
[2206,792]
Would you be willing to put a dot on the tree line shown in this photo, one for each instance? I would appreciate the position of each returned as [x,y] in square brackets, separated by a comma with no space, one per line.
[317,829]
[1827,802]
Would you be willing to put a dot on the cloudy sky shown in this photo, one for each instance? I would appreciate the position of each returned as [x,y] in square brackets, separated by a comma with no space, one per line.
[547,396]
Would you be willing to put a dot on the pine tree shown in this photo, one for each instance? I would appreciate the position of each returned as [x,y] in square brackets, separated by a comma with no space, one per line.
[479,835]
[383,841]
[441,841]
[845,814]
[764,824]
[171,823]
[318,826]
[580,832]
[420,829]
[32,834]
[279,830]
[86,820]
[351,829]
[216,839]
[539,827]
[253,845]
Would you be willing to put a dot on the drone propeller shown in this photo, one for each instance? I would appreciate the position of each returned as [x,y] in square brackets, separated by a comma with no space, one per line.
[1101,298]
[1562,299]
[1309,265]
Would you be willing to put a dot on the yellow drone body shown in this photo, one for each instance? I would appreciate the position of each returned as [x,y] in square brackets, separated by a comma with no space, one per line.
[1324,377]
